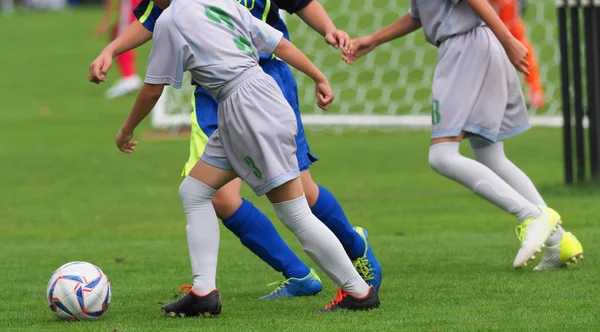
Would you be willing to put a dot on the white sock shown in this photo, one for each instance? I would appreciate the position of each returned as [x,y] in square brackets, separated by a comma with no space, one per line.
[492,155]
[202,233]
[321,245]
[446,159]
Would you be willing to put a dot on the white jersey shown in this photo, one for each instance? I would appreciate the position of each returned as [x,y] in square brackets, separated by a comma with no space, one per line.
[216,40]
[442,19]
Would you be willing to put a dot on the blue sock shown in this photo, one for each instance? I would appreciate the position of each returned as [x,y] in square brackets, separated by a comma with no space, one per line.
[257,233]
[329,211]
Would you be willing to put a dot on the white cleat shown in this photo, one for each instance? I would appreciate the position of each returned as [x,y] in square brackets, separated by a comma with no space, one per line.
[568,252]
[533,233]
[124,87]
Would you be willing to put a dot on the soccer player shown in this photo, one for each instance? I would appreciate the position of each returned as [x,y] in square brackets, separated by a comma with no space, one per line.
[218,42]
[510,13]
[477,95]
[253,228]
[129,81]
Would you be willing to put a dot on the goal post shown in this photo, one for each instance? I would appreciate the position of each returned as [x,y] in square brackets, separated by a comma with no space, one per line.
[391,86]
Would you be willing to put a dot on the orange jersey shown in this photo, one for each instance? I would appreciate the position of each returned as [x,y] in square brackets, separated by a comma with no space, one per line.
[510,13]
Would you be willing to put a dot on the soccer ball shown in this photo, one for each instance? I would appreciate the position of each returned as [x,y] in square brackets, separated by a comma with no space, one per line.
[78,291]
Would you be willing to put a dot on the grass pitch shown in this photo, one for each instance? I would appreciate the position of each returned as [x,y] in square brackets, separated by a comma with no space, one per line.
[68,194]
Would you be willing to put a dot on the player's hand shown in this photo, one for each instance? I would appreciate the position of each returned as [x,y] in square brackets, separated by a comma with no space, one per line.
[358,47]
[324,95]
[102,27]
[99,67]
[124,142]
[338,39]
[517,53]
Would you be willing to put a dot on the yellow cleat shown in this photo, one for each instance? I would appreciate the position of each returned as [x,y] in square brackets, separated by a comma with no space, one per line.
[533,233]
[568,252]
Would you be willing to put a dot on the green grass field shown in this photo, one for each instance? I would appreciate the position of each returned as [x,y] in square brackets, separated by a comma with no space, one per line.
[68,194]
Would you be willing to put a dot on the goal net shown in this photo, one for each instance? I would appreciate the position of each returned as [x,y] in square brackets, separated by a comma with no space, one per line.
[392,85]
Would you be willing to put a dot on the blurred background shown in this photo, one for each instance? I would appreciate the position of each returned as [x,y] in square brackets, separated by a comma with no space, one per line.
[67,193]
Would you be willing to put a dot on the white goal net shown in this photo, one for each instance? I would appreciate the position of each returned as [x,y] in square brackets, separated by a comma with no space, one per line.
[391,86]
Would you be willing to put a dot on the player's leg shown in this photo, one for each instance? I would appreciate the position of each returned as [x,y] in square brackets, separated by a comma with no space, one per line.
[458,111]
[197,191]
[445,158]
[257,233]
[126,62]
[509,12]
[322,246]
[241,217]
[322,202]
[269,165]
[562,248]
[355,240]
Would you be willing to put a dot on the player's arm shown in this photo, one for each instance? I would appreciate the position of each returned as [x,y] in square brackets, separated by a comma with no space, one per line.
[106,16]
[514,49]
[145,102]
[290,54]
[363,45]
[134,36]
[166,63]
[268,40]
[315,16]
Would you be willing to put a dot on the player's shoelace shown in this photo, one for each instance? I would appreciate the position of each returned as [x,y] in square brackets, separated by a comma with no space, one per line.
[184,289]
[281,286]
[340,294]
[521,230]
[363,267]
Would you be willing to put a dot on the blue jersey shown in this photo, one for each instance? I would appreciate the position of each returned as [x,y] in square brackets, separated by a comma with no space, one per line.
[265,10]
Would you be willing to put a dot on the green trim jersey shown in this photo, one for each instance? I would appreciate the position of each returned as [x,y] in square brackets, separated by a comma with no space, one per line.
[264,10]
[215,40]
[442,19]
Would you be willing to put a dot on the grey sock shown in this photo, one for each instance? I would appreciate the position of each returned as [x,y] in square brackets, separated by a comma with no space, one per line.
[492,155]
[202,233]
[321,245]
[446,159]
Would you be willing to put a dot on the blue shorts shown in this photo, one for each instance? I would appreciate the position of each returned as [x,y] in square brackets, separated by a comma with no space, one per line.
[206,108]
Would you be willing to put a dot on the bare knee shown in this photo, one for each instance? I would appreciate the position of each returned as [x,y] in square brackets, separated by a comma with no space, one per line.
[227,200]
[311,189]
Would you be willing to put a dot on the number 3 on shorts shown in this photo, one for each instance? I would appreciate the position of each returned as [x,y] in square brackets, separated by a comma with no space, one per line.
[250,162]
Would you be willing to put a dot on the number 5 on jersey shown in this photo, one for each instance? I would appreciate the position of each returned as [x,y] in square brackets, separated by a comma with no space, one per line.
[219,16]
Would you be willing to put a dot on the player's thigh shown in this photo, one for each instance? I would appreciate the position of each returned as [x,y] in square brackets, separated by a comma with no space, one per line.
[214,168]
[258,129]
[211,176]
[228,199]
[458,138]
[286,192]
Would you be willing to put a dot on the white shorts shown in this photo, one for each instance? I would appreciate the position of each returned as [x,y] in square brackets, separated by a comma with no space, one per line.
[476,89]
[257,131]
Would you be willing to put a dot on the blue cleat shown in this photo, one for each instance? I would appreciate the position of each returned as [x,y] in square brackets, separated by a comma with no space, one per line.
[367,265]
[309,285]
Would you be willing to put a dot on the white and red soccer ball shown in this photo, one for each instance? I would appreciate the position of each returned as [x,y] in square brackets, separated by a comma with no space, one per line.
[78,291]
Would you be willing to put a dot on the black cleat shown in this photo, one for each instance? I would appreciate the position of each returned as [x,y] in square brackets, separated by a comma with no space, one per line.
[345,300]
[192,304]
